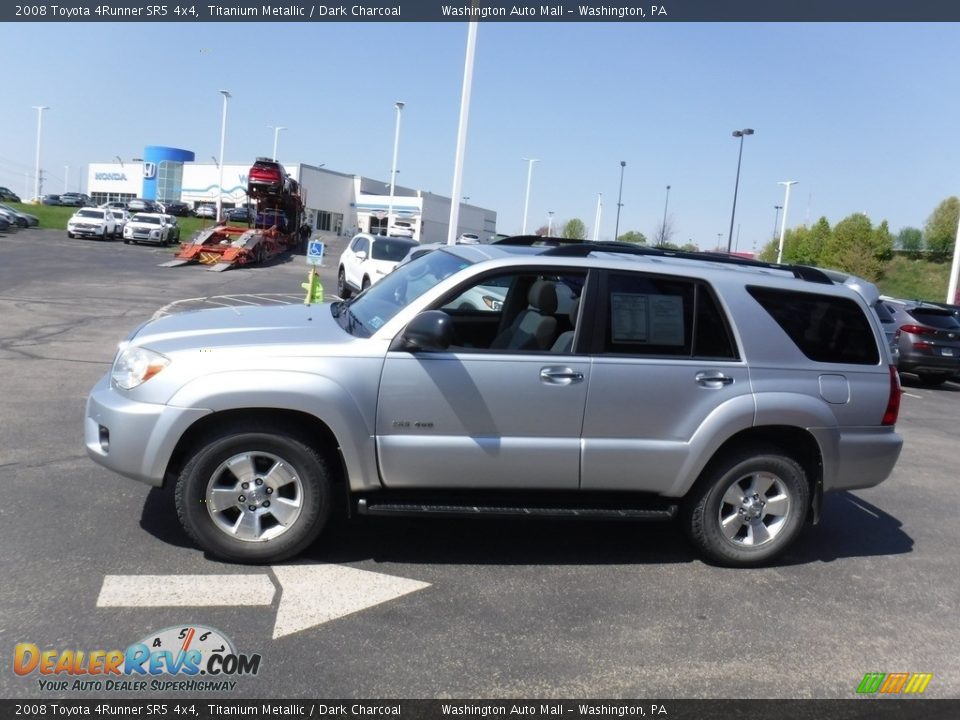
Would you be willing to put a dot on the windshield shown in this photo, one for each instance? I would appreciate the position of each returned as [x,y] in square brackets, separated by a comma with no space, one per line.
[145,219]
[91,214]
[392,250]
[379,303]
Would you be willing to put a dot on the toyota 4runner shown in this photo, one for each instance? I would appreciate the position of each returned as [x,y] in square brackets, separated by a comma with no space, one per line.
[606,381]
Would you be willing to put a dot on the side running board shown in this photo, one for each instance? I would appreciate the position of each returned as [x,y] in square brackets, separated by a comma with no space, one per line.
[367,506]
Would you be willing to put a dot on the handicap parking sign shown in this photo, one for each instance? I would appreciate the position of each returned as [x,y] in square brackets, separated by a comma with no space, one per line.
[315,252]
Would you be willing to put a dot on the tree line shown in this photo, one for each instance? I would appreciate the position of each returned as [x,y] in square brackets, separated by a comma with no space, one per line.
[856,246]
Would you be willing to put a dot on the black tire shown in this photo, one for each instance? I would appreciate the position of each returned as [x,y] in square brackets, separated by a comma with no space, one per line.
[22,222]
[928,380]
[69,234]
[342,290]
[308,468]
[126,241]
[708,500]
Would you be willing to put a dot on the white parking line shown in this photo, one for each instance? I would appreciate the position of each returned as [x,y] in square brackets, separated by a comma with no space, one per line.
[918,397]
[185,590]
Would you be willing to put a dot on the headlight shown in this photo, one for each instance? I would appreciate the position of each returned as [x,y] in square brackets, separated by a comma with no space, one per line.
[135,365]
[154,233]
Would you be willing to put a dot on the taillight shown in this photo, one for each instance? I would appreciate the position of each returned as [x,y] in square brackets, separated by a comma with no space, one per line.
[893,402]
[918,330]
[922,345]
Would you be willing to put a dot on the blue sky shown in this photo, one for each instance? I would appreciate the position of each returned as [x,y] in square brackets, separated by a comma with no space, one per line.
[864,116]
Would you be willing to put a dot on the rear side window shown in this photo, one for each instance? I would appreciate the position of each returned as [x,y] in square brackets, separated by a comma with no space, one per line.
[649,315]
[825,328]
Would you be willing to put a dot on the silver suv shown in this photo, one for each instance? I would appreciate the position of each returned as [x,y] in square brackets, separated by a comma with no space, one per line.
[605,382]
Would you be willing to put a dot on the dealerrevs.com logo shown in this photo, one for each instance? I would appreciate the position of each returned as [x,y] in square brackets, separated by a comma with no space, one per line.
[894,683]
[198,657]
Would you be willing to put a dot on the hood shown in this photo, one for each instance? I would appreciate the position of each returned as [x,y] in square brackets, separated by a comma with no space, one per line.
[251,326]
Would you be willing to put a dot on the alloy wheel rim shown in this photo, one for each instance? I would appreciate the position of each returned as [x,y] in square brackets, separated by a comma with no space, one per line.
[254,496]
[754,509]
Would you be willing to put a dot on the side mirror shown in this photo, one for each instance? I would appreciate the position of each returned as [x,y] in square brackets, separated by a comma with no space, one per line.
[430,330]
[362,255]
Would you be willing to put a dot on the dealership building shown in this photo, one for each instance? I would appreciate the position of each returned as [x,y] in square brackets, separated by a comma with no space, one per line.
[336,203]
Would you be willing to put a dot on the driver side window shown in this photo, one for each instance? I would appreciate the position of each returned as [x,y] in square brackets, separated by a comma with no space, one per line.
[516,312]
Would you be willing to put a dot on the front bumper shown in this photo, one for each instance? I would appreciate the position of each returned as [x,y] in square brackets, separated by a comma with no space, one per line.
[134,439]
[88,231]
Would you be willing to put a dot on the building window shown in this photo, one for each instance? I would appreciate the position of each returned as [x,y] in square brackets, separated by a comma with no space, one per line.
[323,220]
[169,180]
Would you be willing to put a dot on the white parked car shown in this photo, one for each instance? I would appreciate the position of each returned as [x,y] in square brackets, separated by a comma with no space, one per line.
[121,217]
[367,259]
[92,222]
[403,228]
[468,239]
[147,227]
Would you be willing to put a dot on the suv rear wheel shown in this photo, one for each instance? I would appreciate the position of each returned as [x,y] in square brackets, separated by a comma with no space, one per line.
[254,497]
[748,508]
[342,290]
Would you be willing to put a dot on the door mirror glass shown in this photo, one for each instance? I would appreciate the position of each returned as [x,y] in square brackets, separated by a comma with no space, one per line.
[430,330]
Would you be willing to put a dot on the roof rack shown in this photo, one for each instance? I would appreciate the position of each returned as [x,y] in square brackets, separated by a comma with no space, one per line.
[537,241]
[564,247]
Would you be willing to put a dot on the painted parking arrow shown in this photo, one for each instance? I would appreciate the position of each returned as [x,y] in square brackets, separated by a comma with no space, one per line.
[309,594]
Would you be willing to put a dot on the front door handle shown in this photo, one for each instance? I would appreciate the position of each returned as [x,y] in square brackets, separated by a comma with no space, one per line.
[560,376]
[713,379]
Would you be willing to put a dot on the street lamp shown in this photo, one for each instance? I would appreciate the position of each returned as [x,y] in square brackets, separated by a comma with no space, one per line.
[616,229]
[776,214]
[663,225]
[276,132]
[786,208]
[737,134]
[526,202]
[223,138]
[393,168]
[596,221]
[39,109]
[550,223]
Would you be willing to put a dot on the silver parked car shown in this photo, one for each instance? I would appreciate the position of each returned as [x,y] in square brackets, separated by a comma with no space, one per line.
[729,393]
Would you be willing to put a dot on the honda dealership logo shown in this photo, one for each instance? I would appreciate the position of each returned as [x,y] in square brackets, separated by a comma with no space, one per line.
[110,176]
[149,170]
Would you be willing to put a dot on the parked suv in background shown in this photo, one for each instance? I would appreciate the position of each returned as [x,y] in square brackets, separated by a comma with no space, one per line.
[727,392]
[92,222]
[928,337]
[8,195]
[75,199]
[367,259]
[267,176]
[147,227]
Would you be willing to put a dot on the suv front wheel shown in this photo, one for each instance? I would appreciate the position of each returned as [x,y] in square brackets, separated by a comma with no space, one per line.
[254,497]
[748,508]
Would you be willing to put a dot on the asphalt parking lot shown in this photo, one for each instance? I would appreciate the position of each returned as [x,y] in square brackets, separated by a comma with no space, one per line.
[486,609]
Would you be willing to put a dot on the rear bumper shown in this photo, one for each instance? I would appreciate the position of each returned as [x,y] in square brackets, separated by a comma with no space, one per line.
[864,457]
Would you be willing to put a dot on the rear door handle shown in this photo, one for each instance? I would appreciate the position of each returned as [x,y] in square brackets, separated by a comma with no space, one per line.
[713,379]
[560,376]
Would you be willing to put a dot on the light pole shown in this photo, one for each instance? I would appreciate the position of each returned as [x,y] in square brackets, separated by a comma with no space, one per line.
[550,223]
[596,222]
[616,229]
[66,177]
[276,132]
[39,109]
[776,215]
[663,225]
[786,208]
[453,223]
[393,168]
[223,138]
[526,202]
[738,134]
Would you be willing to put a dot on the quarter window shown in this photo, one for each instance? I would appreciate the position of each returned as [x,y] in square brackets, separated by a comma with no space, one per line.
[825,328]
